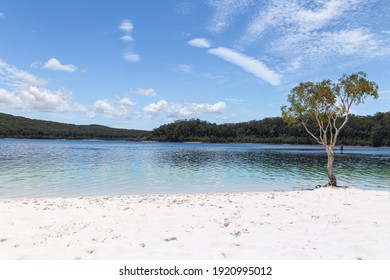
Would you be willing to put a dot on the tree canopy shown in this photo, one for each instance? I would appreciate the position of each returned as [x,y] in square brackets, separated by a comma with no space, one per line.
[327,105]
[361,130]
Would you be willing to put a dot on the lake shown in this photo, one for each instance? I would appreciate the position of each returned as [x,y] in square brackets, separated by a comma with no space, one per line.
[36,168]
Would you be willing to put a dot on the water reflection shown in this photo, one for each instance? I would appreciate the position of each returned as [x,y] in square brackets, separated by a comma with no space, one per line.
[280,166]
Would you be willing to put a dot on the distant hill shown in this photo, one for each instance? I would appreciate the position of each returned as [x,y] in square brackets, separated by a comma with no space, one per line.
[20,127]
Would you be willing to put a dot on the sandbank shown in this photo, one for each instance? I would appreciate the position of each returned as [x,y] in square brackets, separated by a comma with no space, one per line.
[328,223]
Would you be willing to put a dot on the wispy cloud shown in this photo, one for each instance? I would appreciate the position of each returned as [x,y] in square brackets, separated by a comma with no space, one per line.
[295,16]
[183,110]
[143,91]
[131,56]
[200,43]
[185,68]
[292,65]
[226,12]
[127,27]
[314,19]
[56,65]
[22,90]
[353,42]
[316,31]
[249,64]
[318,47]
[2,15]
[14,77]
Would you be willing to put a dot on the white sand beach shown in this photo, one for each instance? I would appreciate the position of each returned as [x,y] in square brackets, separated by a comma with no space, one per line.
[321,224]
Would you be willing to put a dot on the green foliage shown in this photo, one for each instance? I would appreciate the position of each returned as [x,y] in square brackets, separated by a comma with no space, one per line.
[19,127]
[365,131]
[326,103]
[308,101]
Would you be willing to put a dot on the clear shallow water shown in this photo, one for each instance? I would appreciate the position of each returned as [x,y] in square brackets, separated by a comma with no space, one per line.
[33,168]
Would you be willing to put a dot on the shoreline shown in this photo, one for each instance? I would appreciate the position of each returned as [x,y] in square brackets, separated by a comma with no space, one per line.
[325,223]
[188,142]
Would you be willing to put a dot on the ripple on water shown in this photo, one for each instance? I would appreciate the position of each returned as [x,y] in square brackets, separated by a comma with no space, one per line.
[73,168]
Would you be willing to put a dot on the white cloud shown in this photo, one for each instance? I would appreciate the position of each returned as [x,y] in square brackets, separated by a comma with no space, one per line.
[126,26]
[249,64]
[183,110]
[40,99]
[126,102]
[55,64]
[156,108]
[120,108]
[6,97]
[131,56]
[27,92]
[2,15]
[127,38]
[15,77]
[103,107]
[200,43]
[143,91]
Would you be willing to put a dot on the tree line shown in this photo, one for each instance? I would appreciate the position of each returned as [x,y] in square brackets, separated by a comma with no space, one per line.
[20,127]
[361,130]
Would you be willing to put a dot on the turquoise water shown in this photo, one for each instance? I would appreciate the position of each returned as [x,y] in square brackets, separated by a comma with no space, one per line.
[34,168]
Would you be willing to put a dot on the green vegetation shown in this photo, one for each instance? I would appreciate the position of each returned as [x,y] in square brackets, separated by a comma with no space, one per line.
[327,104]
[19,127]
[364,131]
[361,130]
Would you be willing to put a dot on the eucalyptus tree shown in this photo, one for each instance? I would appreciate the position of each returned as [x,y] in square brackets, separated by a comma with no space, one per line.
[323,109]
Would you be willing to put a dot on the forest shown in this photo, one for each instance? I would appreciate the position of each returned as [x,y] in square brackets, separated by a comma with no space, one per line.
[360,130]
[20,127]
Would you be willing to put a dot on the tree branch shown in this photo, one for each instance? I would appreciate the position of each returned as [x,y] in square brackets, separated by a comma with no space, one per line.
[312,135]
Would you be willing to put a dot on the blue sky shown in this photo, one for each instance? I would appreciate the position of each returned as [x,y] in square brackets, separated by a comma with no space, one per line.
[143,63]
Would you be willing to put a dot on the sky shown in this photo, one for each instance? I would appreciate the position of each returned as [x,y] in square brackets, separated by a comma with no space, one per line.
[143,63]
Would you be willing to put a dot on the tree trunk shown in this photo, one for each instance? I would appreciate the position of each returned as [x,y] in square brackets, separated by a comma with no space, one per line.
[331,176]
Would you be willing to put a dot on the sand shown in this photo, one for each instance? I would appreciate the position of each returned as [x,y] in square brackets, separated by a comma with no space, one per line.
[329,224]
